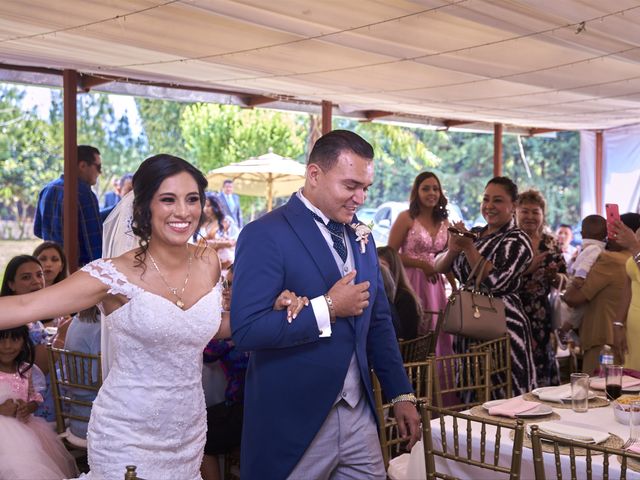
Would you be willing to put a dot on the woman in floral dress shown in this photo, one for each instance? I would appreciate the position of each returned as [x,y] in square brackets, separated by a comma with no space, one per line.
[543,272]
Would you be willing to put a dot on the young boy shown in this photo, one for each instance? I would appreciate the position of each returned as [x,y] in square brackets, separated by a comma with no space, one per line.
[594,234]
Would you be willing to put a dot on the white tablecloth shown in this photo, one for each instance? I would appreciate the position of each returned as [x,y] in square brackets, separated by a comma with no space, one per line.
[411,466]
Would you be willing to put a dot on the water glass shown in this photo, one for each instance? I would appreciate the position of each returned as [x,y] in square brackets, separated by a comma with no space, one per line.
[580,392]
[613,381]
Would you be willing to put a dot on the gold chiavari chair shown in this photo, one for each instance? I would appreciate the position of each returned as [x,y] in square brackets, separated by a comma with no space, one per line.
[72,372]
[131,474]
[607,454]
[463,452]
[437,326]
[500,370]
[418,349]
[463,376]
[419,374]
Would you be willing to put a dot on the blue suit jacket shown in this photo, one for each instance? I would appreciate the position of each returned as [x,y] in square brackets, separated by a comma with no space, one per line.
[235,212]
[294,376]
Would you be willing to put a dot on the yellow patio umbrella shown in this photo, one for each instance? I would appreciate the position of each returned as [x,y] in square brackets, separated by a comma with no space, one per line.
[269,175]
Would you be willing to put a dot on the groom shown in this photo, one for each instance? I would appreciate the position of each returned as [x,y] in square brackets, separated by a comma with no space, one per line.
[309,409]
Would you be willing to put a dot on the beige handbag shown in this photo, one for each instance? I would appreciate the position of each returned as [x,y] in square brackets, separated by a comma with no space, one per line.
[473,313]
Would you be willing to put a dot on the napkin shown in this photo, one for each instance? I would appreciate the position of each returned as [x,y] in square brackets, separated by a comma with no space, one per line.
[635,448]
[554,394]
[513,407]
[572,431]
[627,382]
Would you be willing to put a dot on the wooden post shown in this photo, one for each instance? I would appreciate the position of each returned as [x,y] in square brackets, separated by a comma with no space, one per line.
[599,173]
[497,149]
[70,202]
[326,116]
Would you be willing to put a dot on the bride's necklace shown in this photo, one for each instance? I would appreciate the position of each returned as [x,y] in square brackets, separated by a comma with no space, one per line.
[174,290]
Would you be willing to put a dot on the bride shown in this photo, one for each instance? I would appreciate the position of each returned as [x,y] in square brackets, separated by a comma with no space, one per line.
[161,304]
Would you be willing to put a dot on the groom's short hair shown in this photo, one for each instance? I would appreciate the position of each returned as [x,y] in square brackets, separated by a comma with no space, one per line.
[327,149]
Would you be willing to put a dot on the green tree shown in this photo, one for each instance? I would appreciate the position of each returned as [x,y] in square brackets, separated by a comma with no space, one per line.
[217,135]
[161,124]
[28,155]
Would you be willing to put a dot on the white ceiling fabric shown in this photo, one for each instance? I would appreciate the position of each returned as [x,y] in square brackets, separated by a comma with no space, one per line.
[526,63]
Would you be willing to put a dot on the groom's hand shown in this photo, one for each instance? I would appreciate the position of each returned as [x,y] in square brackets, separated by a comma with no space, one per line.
[349,300]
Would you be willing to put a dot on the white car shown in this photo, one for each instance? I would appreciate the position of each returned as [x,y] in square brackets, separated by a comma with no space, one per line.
[387,213]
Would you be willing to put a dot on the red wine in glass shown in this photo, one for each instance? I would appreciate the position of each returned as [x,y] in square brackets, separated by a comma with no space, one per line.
[613,391]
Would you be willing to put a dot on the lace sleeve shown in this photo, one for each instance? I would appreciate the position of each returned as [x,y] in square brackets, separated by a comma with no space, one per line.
[106,272]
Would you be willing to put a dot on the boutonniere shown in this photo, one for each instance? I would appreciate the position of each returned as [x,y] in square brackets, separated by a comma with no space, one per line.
[362,234]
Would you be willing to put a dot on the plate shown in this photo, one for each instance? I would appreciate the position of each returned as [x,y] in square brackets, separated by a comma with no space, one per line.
[540,411]
[538,391]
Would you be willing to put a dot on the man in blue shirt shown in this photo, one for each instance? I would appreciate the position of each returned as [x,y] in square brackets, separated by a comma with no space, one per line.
[48,218]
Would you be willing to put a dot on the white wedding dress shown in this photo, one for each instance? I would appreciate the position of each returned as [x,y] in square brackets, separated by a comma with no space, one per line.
[150,411]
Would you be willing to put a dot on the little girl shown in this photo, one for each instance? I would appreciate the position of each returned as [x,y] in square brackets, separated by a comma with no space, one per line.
[28,447]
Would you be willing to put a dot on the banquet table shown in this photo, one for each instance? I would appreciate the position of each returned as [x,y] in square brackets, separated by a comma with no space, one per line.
[411,466]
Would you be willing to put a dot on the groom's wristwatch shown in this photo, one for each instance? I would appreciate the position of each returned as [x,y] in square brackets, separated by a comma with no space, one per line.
[332,310]
[405,397]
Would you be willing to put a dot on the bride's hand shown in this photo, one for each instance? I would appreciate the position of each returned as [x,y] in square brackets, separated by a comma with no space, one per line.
[291,302]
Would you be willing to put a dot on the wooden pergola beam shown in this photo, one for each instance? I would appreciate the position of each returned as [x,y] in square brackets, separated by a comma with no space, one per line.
[497,149]
[540,131]
[70,196]
[327,120]
[373,114]
[87,82]
[599,172]
[256,100]
[455,123]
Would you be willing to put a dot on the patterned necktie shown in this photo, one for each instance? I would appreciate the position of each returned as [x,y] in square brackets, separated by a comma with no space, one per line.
[337,235]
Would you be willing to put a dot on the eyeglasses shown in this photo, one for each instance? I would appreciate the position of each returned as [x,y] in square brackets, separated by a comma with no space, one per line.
[98,167]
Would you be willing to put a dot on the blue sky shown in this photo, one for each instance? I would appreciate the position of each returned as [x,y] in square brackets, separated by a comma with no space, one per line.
[40,97]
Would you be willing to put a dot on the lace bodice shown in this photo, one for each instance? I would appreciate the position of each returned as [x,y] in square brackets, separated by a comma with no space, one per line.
[420,244]
[150,410]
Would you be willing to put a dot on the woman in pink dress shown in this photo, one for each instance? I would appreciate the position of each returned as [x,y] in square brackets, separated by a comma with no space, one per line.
[419,234]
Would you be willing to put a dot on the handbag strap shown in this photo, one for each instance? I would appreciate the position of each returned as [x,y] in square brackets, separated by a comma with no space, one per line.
[475,277]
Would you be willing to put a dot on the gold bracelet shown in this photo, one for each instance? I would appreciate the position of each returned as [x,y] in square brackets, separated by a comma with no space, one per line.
[405,397]
[332,310]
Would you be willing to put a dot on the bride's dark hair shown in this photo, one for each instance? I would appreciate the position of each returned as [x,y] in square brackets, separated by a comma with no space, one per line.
[146,181]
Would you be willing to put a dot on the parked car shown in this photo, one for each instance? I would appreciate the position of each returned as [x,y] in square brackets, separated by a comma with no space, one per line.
[387,213]
[365,215]
[384,217]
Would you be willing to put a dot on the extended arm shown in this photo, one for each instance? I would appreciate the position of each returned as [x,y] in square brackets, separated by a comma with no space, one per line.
[76,293]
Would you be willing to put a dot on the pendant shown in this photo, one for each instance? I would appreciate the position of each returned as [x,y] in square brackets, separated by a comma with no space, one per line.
[180,303]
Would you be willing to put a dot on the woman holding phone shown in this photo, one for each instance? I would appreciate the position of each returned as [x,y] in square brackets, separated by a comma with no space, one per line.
[508,252]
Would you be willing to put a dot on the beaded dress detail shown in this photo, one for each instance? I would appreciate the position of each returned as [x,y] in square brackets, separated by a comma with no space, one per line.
[150,411]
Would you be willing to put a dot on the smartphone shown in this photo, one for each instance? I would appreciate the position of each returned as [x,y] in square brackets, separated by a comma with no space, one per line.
[460,233]
[613,213]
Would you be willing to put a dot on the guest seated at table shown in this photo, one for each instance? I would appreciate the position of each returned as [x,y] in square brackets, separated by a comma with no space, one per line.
[24,274]
[28,447]
[224,420]
[83,336]
[405,301]
[602,293]
[508,252]
[542,274]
